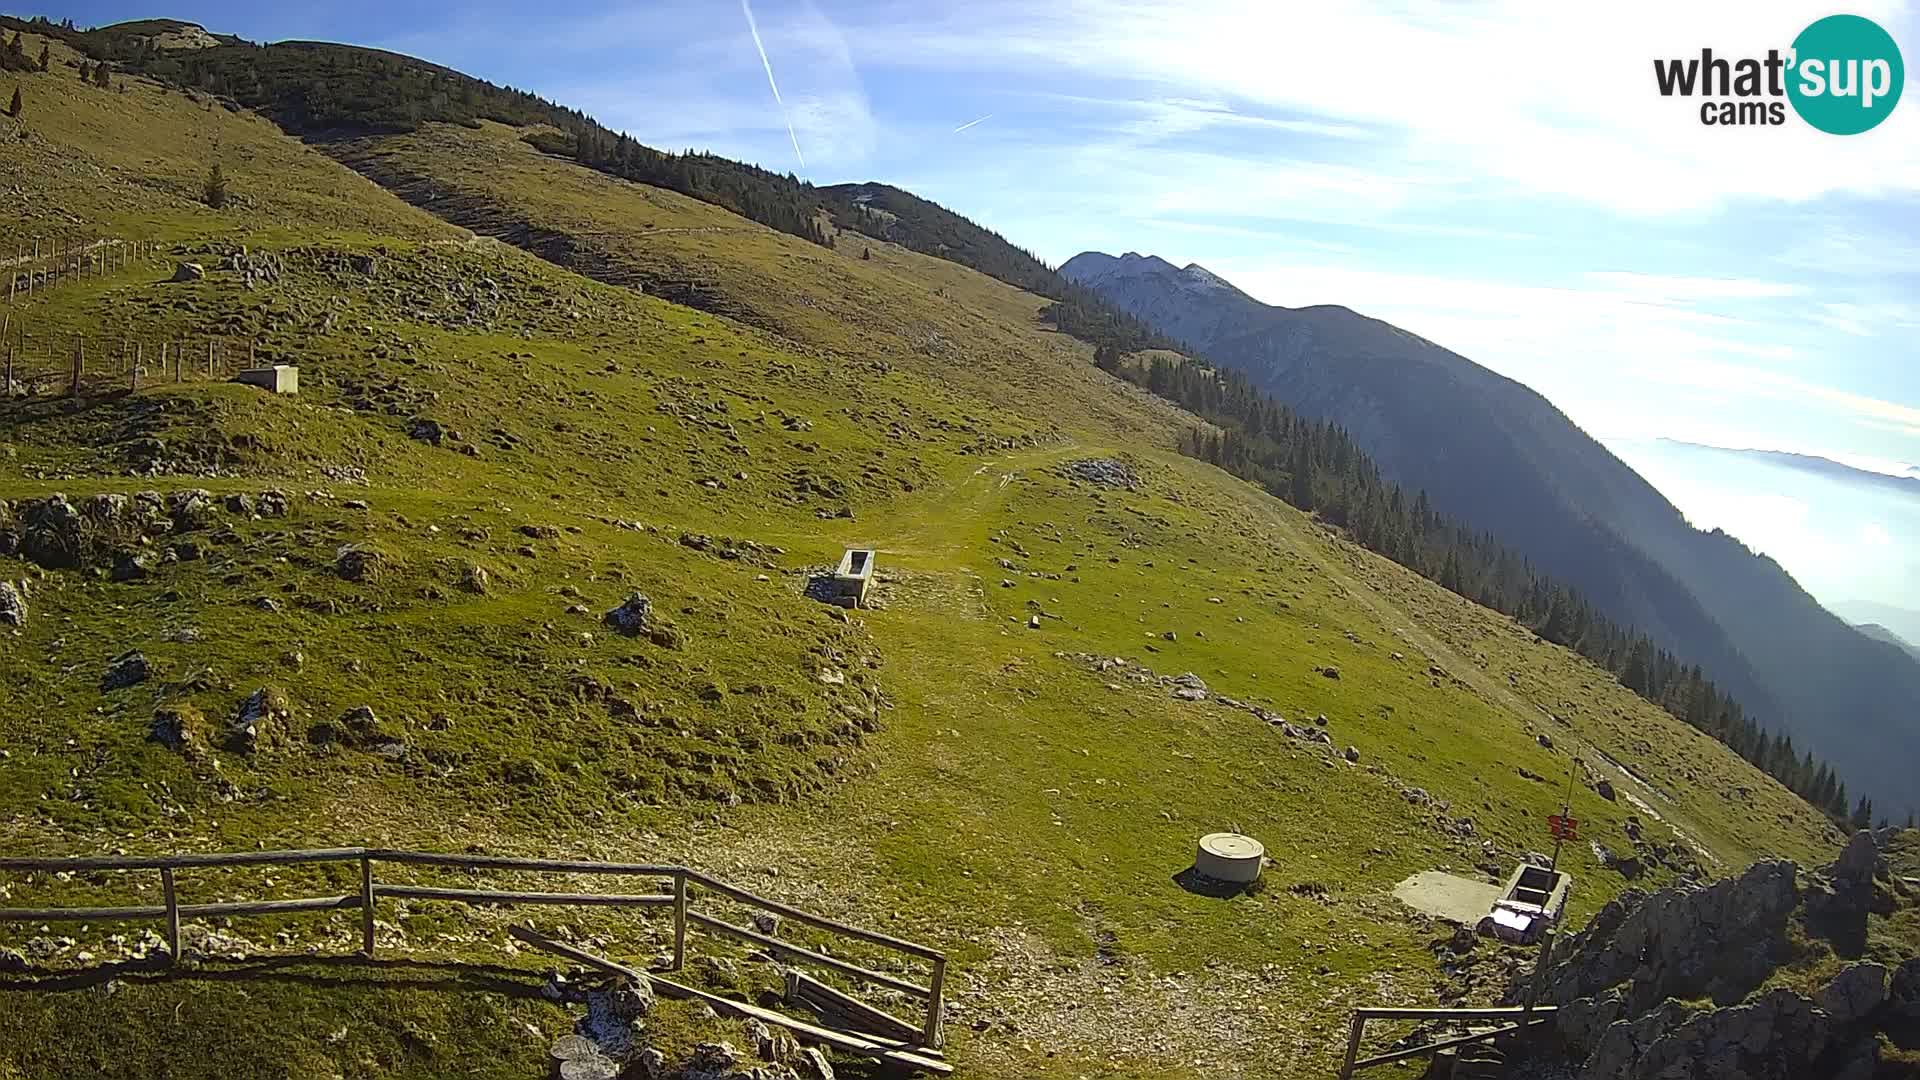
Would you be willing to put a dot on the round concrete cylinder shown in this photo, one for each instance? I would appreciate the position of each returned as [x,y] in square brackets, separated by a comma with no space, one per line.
[1225,856]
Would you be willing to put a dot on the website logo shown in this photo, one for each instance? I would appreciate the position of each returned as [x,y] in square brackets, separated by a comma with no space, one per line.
[1843,75]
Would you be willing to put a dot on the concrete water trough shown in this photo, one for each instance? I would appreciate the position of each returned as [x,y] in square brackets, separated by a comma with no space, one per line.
[278,379]
[852,577]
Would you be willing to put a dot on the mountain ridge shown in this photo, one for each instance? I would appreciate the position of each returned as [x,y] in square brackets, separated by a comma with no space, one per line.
[1506,459]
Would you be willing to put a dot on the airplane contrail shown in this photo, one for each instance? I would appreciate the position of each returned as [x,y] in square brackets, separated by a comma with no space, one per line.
[970,123]
[754,29]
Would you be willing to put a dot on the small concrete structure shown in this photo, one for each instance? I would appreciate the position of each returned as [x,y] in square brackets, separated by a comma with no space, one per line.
[1448,896]
[1530,902]
[1225,856]
[852,577]
[278,379]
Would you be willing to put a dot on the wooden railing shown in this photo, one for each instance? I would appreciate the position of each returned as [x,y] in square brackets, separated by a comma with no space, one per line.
[1513,1018]
[682,879]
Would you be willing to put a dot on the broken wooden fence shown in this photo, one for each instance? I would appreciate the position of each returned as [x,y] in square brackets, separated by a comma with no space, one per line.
[1513,1018]
[683,881]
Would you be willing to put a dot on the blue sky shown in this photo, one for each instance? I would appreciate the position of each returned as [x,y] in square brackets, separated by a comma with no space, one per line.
[1502,179]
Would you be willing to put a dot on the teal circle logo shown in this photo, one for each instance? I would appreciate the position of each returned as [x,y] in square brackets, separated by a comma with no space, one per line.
[1846,74]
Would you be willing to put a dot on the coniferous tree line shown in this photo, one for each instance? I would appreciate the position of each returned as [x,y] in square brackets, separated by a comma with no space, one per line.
[323,90]
[1317,467]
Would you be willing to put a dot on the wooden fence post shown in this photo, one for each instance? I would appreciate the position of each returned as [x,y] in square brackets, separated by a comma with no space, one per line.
[1354,1027]
[936,1005]
[163,360]
[679,920]
[209,359]
[366,905]
[173,913]
[79,363]
[8,388]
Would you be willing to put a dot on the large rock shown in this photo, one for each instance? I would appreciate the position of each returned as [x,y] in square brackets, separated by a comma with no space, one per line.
[1860,862]
[177,727]
[354,562]
[1855,993]
[630,618]
[188,271]
[127,669]
[13,605]
[260,722]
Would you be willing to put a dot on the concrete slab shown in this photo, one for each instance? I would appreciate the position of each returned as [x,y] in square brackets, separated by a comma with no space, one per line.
[1442,895]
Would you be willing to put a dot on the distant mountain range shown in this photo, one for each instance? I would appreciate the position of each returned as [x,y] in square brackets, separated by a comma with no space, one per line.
[1875,630]
[1499,456]
[1907,483]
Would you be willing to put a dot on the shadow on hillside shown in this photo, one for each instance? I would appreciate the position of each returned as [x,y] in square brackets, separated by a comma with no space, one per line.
[319,972]
[1192,880]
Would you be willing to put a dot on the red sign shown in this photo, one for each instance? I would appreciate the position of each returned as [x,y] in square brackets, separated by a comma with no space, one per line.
[1563,827]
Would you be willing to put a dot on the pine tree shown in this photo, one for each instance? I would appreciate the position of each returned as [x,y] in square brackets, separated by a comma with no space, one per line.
[86,73]
[103,78]
[216,193]
[14,109]
[1862,814]
[46,57]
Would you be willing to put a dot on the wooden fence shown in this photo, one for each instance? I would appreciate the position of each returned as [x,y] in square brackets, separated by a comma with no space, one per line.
[683,882]
[44,264]
[75,365]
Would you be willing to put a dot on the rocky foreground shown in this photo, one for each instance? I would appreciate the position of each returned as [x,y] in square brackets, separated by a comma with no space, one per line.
[1777,974]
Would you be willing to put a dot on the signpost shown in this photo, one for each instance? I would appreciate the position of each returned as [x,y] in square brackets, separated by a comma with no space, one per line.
[1563,825]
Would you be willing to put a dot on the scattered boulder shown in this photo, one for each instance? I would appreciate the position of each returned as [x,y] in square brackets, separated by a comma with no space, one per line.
[130,566]
[239,503]
[357,562]
[127,669]
[188,271]
[271,504]
[1604,789]
[1351,753]
[667,637]
[177,727]
[13,605]
[425,430]
[813,1065]
[260,722]
[632,616]
[1544,740]
[473,579]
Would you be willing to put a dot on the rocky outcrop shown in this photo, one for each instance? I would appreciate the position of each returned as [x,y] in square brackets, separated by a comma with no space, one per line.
[1718,941]
[1629,985]
[109,530]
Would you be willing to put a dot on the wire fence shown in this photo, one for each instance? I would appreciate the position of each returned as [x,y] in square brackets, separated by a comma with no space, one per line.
[79,365]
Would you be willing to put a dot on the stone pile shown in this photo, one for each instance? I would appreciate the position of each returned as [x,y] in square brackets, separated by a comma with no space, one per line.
[1106,472]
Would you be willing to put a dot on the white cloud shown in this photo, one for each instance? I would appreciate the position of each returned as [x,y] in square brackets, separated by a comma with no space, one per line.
[1546,98]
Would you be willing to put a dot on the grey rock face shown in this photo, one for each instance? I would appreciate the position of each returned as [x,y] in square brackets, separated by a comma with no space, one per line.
[1855,993]
[630,618]
[13,606]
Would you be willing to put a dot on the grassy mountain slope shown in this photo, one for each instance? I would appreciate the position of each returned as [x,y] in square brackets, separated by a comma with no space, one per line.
[931,766]
[1494,453]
